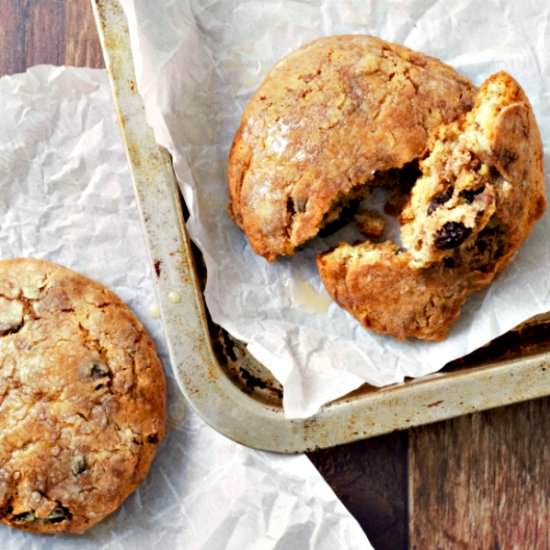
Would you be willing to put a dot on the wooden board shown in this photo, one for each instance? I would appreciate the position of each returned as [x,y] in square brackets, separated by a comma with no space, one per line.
[47,31]
[480,481]
[370,478]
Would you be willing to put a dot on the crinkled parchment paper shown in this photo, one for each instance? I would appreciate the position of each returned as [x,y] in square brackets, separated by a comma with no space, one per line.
[67,196]
[198,62]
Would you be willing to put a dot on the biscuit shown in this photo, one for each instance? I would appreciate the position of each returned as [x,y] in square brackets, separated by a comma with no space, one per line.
[82,399]
[482,188]
[328,122]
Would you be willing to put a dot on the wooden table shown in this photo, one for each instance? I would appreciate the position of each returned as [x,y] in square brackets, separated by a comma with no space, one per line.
[479,481]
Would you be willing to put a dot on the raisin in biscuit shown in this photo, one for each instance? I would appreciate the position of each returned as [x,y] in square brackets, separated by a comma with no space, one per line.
[485,168]
[82,399]
[326,124]
[482,189]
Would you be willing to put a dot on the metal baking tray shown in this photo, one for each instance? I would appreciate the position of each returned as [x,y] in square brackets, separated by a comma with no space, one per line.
[231,391]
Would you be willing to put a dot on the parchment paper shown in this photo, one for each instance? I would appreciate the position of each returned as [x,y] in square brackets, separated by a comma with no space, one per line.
[198,62]
[67,196]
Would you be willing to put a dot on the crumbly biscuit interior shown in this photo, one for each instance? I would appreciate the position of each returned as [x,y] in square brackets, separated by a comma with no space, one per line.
[451,211]
[480,191]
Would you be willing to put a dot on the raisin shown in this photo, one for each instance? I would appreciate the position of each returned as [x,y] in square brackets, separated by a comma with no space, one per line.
[507,157]
[290,207]
[7,509]
[481,245]
[449,262]
[469,194]
[152,438]
[61,513]
[440,198]
[79,465]
[99,371]
[490,245]
[24,517]
[451,235]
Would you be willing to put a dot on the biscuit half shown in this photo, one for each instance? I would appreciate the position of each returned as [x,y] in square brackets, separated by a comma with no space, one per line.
[482,188]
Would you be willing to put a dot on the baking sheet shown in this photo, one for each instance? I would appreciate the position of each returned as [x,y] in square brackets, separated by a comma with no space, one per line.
[198,62]
[67,196]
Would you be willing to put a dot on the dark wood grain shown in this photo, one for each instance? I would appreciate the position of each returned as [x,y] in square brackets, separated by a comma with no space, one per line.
[370,478]
[13,22]
[81,41]
[44,32]
[482,481]
[47,31]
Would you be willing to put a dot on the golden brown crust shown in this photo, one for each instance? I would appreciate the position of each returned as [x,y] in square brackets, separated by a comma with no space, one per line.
[481,191]
[327,120]
[82,399]
[377,285]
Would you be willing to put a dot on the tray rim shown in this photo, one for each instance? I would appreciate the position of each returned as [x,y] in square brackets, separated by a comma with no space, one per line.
[204,383]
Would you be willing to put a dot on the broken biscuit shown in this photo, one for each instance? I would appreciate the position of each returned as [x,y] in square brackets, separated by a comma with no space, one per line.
[333,118]
[481,191]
